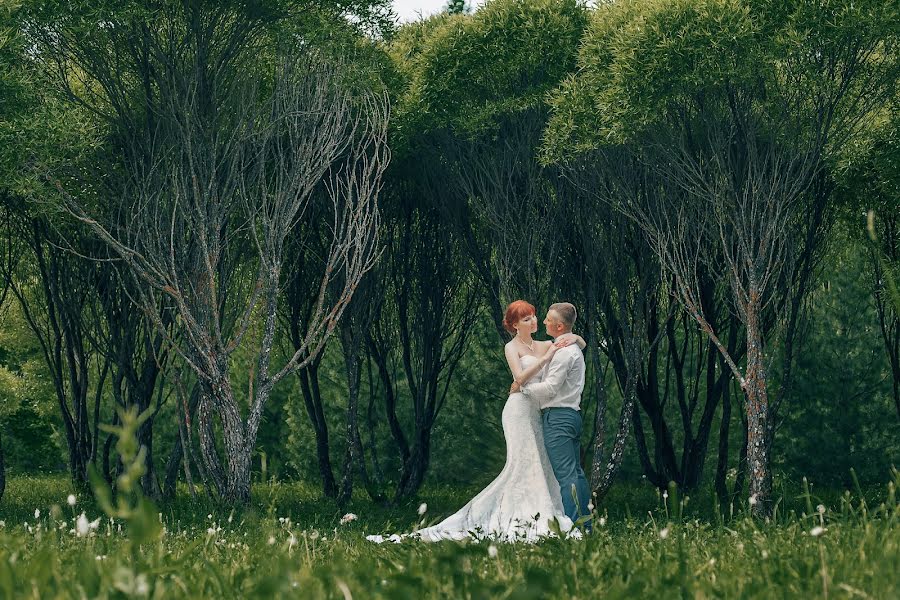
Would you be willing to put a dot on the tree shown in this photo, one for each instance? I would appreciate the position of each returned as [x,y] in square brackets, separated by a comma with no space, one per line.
[429,328]
[471,104]
[739,138]
[211,215]
[874,176]
[613,272]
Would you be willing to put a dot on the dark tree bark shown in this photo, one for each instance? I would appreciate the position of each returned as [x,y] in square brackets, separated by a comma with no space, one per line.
[52,287]
[364,309]
[137,355]
[620,297]
[721,478]
[435,310]
[181,452]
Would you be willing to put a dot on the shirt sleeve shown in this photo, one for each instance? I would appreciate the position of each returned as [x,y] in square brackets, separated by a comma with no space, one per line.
[553,381]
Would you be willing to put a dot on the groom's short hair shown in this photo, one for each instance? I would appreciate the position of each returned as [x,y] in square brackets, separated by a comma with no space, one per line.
[567,313]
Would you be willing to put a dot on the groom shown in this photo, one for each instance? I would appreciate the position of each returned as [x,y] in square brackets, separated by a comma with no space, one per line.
[559,396]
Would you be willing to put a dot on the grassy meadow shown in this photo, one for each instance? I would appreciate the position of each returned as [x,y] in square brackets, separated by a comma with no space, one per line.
[291,543]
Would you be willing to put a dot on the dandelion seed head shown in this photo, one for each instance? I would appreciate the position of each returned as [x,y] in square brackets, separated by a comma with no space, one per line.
[816,531]
[492,551]
[663,533]
[422,508]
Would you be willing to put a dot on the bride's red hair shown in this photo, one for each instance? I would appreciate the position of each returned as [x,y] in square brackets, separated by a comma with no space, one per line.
[515,312]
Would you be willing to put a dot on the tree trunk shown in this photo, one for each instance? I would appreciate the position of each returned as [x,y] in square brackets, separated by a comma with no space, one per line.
[350,345]
[414,469]
[377,472]
[721,483]
[312,400]
[758,426]
[599,415]
[211,469]
[238,449]
[179,454]
[618,449]
[738,490]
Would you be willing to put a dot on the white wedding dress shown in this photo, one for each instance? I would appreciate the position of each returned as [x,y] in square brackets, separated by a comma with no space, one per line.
[525,496]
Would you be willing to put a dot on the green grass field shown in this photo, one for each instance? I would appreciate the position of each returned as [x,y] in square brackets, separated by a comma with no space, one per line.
[291,543]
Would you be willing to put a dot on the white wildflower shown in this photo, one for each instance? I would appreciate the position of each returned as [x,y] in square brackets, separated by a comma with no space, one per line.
[817,531]
[71,500]
[492,551]
[347,518]
[271,539]
[663,533]
[141,586]
[37,514]
[753,500]
[820,509]
[422,508]
[590,506]
[765,554]
[82,525]
[209,517]
[602,521]
[665,495]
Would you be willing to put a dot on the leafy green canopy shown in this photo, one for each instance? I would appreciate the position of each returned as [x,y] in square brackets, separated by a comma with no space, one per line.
[464,73]
[642,63]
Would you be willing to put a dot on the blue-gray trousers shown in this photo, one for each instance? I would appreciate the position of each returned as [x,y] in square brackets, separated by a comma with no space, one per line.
[562,432]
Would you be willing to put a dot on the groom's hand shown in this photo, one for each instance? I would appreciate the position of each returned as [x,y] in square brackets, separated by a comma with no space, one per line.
[515,387]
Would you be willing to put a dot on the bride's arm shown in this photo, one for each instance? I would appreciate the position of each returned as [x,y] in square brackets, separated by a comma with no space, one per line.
[522,375]
[570,338]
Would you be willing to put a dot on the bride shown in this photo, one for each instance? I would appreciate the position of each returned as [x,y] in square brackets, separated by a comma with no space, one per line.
[520,503]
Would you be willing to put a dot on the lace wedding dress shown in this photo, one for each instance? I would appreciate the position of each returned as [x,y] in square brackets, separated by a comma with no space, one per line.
[517,505]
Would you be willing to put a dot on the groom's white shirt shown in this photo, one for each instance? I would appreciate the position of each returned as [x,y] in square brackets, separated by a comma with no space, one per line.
[563,380]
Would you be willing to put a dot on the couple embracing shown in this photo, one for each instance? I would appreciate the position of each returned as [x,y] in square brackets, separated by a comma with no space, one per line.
[542,479]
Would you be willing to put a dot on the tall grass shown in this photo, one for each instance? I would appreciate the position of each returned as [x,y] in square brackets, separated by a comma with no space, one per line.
[291,543]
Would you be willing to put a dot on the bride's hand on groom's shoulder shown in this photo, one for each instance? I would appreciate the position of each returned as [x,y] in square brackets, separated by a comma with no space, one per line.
[567,339]
[515,387]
